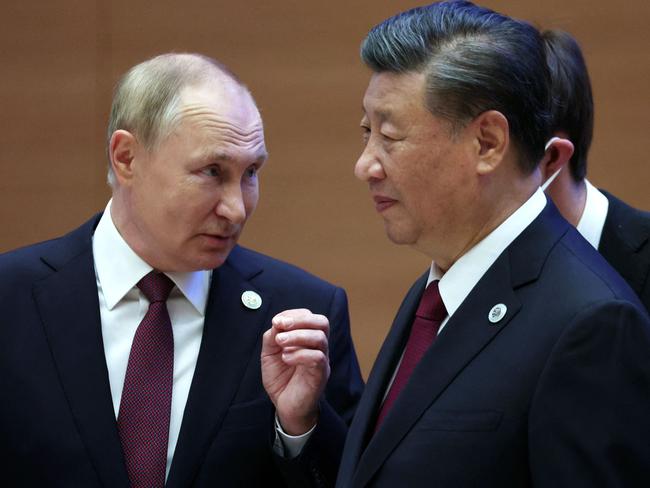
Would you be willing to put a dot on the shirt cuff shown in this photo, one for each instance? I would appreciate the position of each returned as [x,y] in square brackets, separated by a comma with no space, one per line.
[289,446]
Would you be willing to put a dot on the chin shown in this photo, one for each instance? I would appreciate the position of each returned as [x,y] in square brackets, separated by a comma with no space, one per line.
[399,236]
[209,257]
[212,263]
[206,261]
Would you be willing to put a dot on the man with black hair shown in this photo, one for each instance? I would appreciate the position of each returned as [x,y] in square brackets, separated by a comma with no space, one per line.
[621,233]
[520,358]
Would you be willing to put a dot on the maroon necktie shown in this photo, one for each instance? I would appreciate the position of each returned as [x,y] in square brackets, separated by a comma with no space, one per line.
[143,421]
[430,314]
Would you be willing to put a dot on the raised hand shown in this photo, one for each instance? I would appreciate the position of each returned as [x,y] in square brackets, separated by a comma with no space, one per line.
[295,367]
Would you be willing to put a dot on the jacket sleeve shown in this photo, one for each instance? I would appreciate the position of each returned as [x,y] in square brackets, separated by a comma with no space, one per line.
[318,462]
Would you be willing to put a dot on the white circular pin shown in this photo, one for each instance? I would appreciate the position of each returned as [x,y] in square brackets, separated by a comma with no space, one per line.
[251,300]
[497,313]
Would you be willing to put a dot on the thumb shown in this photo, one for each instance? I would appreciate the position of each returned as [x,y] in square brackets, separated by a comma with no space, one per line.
[269,342]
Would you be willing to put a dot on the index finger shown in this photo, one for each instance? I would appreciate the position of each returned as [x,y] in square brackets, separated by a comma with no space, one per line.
[300,319]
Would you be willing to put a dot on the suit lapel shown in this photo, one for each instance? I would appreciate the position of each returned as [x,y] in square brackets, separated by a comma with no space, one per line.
[463,337]
[230,334]
[364,421]
[466,334]
[69,308]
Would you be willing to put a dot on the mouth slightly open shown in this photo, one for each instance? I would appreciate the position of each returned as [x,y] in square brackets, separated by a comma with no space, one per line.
[382,203]
[220,240]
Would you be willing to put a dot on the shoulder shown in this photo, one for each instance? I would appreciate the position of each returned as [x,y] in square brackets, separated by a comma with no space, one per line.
[625,243]
[618,206]
[561,266]
[586,273]
[632,224]
[269,270]
[26,262]
[35,261]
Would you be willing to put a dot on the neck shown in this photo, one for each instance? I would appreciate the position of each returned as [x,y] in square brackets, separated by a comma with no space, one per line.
[491,212]
[569,197]
[127,227]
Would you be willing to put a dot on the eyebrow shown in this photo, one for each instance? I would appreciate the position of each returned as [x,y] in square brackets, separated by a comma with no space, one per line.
[383,114]
[262,156]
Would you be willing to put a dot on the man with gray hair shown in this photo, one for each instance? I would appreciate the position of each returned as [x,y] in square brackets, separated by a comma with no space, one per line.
[520,358]
[130,347]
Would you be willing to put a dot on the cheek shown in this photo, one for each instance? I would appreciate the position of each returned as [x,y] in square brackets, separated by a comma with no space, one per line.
[182,209]
[426,194]
[250,195]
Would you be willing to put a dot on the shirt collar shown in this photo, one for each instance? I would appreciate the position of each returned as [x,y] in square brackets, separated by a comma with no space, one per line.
[594,215]
[119,268]
[465,273]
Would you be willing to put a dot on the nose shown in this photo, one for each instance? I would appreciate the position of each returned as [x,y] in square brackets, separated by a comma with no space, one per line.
[231,205]
[368,166]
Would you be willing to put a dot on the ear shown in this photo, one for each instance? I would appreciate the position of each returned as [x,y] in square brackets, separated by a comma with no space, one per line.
[492,134]
[557,155]
[121,150]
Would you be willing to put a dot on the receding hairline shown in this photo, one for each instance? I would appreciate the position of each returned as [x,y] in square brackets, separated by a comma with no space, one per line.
[147,96]
[181,71]
[205,71]
[192,61]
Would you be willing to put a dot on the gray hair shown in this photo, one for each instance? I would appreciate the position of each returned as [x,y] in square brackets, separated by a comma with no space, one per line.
[474,60]
[146,99]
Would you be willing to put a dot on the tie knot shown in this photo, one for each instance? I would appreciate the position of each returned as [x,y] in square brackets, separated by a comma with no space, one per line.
[431,306]
[156,286]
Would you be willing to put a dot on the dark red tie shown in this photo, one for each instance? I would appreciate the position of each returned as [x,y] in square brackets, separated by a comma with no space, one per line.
[145,407]
[428,317]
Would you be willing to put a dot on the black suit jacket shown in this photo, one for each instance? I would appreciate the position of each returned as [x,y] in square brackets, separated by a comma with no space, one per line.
[57,424]
[625,243]
[555,394]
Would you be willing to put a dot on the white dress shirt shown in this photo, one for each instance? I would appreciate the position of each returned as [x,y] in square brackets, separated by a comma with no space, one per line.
[457,283]
[461,278]
[593,217]
[465,273]
[122,306]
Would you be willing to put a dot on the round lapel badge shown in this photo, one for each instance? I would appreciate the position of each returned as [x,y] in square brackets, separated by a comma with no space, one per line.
[251,300]
[497,313]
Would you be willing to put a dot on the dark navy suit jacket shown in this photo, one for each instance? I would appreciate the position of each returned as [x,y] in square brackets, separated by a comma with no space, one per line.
[57,424]
[556,394]
[625,243]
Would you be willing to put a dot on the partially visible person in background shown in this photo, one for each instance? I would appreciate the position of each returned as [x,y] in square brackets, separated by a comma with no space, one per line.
[621,233]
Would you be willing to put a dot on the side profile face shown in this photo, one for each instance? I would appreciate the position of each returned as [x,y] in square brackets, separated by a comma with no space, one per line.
[188,199]
[419,171]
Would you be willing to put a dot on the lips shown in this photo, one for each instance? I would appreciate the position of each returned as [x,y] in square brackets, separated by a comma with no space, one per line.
[382,202]
[219,239]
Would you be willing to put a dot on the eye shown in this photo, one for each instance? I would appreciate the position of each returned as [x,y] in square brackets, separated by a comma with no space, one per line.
[211,171]
[365,134]
[251,172]
[388,138]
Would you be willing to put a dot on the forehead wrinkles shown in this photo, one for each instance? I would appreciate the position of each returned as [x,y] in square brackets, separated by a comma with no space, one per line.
[245,128]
